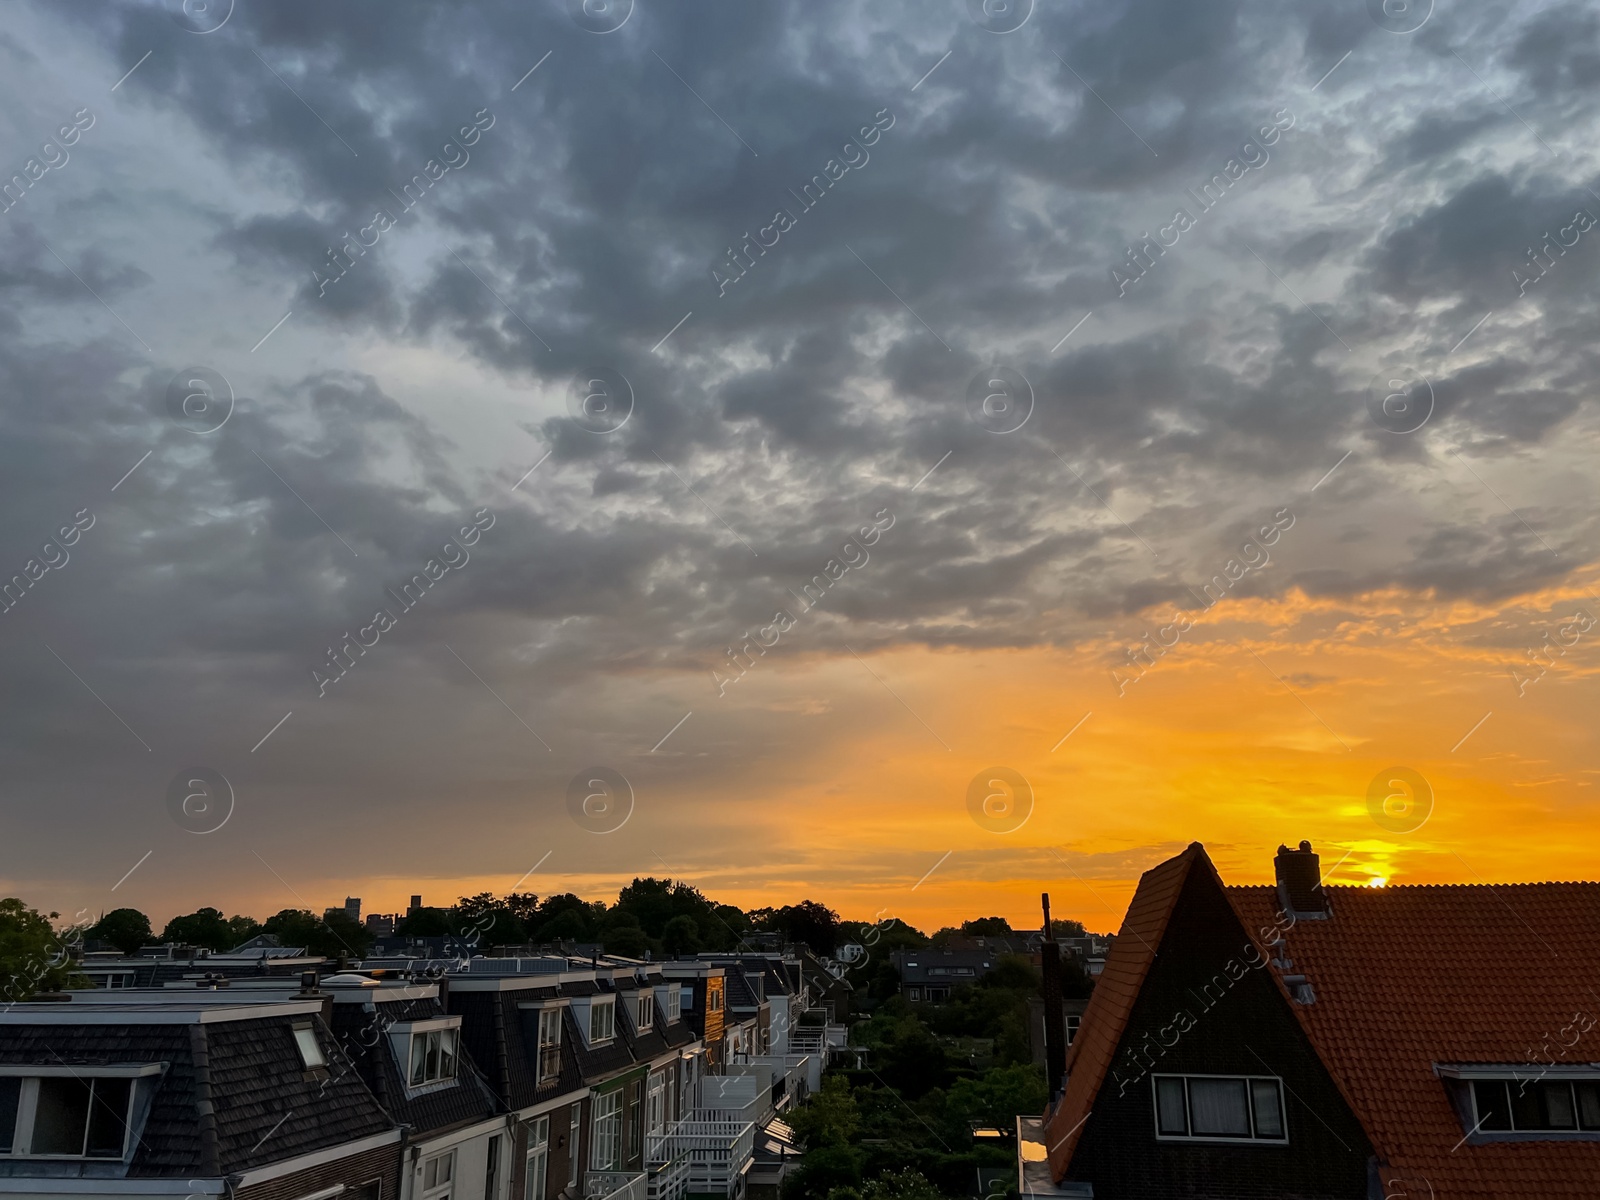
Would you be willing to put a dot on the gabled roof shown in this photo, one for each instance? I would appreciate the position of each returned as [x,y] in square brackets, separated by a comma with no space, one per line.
[1090,1055]
[1412,976]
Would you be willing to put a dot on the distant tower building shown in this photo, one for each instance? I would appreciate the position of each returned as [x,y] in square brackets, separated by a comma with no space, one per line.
[416,903]
[352,908]
[380,925]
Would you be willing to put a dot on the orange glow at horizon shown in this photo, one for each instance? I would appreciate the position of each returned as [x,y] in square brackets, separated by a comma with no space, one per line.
[1266,723]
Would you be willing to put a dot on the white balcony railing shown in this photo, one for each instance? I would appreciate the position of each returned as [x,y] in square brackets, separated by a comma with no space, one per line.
[667,1180]
[716,1152]
[614,1185]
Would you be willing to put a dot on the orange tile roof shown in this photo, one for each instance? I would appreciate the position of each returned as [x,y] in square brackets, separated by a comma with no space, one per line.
[1406,977]
[1115,989]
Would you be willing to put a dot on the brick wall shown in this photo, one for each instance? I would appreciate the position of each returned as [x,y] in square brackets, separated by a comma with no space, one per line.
[380,1166]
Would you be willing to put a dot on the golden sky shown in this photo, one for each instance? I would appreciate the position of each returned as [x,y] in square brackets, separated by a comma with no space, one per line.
[1266,723]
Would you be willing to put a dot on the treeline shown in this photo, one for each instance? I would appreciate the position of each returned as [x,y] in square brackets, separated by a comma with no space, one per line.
[659,917]
[662,918]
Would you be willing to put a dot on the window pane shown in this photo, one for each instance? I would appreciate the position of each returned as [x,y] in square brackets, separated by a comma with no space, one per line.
[447,1054]
[1494,1111]
[61,1117]
[1526,1111]
[1588,1105]
[108,1117]
[310,1052]
[10,1090]
[1169,1108]
[534,1176]
[1558,1110]
[433,1056]
[1268,1108]
[419,1059]
[1217,1108]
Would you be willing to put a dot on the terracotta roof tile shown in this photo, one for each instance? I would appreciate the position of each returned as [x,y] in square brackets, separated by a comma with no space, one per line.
[1116,988]
[1409,976]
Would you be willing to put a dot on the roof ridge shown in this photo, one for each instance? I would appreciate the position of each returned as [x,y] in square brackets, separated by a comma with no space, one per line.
[1106,1017]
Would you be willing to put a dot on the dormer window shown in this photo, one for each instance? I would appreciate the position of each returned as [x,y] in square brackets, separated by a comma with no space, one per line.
[1543,1106]
[674,998]
[602,1020]
[647,1012]
[68,1113]
[433,1056]
[549,1043]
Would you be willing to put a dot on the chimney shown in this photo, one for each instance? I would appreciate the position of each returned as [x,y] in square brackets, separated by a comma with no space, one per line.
[1055,1021]
[1299,874]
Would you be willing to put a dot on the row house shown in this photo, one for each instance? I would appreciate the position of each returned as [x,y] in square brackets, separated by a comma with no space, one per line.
[501,1079]
[183,1096]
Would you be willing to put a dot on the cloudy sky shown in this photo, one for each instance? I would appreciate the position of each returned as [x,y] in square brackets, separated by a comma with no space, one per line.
[1182,413]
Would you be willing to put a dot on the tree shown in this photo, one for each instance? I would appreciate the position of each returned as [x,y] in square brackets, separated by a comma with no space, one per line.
[995,1098]
[328,936]
[34,957]
[681,936]
[424,922]
[815,924]
[242,929]
[907,1184]
[628,941]
[1065,927]
[206,928]
[484,921]
[829,1117]
[125,928]
[987,927]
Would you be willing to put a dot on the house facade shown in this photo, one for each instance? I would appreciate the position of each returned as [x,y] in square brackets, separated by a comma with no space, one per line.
[1330,1043]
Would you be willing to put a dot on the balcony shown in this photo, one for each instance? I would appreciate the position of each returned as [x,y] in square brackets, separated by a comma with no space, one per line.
[667,1180]
[715,1153]
[614,1185]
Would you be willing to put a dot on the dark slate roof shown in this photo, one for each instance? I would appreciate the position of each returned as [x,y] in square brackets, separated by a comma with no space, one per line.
[268,1107]
[170,1143]
[503,1040]
[930,966]
[600,1063]
[361,1034]
[740,992]
[155,972]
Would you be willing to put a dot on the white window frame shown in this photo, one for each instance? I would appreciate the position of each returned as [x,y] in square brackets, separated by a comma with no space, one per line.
[1577,1131]
[575,1141]
[655,1104]
[549,1024]
[537,1163]
[443,1164]
[305,1041]
[446,1035]
[674,1000]
[597,1006]
[605,1131]
[1209,1139]
[28,1110]
[646,1011]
